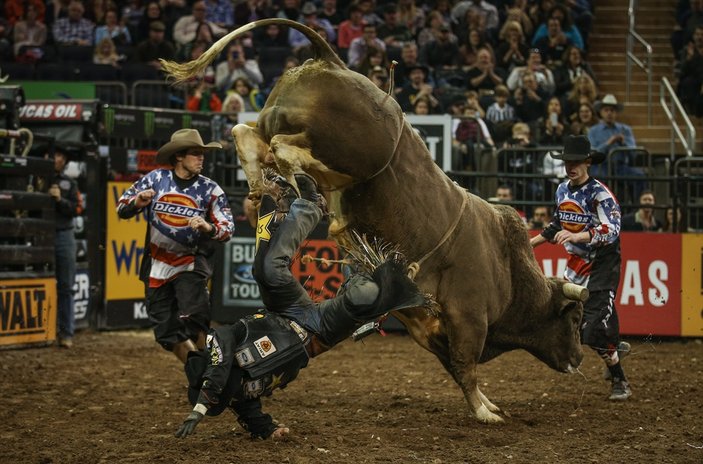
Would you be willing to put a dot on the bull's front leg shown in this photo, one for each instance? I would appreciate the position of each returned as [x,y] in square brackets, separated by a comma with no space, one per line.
[252,150]
[292,155]
[466,334]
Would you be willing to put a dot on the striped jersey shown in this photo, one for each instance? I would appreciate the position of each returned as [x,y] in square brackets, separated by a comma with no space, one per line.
[173,245]
[589,207]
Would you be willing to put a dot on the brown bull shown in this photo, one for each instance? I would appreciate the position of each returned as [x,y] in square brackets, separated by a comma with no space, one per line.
[379,179]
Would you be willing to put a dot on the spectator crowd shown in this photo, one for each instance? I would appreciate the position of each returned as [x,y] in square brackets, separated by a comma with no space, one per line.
[511,73]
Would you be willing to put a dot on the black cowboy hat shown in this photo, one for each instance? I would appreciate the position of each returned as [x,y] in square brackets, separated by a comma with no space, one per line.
[578,148]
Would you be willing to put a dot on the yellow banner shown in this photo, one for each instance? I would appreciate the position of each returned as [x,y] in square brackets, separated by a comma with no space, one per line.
[27,311]
[125,248]
[692,285]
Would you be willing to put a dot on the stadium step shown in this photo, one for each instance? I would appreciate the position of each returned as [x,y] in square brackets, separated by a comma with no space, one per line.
[654,21]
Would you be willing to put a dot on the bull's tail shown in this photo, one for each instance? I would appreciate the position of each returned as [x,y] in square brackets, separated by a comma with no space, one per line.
[182,72]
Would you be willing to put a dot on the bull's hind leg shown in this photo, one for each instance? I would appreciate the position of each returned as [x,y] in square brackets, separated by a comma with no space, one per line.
[252,150]
[466,336]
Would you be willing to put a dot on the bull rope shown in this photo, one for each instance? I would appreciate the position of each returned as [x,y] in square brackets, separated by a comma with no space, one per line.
[415,266]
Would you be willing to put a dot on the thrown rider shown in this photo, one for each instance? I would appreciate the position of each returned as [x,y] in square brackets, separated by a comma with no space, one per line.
[265,351]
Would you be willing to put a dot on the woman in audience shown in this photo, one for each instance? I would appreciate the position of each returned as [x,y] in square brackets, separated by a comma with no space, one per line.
[373,57]
[106,53]
[470,48]
[553,127]
[203,36]
[573,66]
[113,30]
[431,30]
[512,50]
[583,91]
[152,12]
[247,92]
[584,120]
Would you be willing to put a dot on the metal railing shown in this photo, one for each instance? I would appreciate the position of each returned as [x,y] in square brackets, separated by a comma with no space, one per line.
[630,57]
[157,94]
[672,111]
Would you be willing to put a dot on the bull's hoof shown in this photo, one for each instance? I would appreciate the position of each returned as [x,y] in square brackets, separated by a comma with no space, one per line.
[487,417]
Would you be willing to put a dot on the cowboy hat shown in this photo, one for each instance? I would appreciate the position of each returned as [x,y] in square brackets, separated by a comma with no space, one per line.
[181,140]
[578,148]
[608,100]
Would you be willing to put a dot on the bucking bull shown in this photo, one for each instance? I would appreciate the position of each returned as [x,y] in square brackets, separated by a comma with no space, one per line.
[379,179]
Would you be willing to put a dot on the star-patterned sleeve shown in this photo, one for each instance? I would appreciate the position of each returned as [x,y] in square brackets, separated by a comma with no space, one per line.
[220,215]
[125,206]
[607,230]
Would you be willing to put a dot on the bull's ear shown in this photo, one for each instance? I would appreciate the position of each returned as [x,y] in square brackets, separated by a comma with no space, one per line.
[568,306]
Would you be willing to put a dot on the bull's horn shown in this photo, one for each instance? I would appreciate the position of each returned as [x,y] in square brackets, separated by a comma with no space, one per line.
[575,292]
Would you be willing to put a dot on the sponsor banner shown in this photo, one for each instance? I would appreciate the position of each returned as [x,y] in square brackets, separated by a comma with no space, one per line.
[48,90]
[320,280]
[51,112]
[81,298]
[124,249]
[240,290]
[158,124]
[649,294]
[692,285]
[146,161]
[436,131]
[27,311]
[122,314]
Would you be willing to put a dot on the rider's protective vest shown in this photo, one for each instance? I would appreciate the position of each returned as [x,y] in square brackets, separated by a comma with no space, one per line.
[271,353]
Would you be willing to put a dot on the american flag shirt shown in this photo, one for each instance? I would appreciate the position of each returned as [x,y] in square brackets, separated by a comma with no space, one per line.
[173,245]
[589,207]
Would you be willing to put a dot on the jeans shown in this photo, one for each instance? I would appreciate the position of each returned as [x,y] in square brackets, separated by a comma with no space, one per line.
[65,279]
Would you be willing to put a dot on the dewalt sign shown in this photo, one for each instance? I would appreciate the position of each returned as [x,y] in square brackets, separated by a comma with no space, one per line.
[27,311]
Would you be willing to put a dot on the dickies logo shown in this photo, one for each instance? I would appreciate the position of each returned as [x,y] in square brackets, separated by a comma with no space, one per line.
[572,217]
[175,209]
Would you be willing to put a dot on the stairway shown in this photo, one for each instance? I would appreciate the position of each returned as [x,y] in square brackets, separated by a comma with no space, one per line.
[608,42]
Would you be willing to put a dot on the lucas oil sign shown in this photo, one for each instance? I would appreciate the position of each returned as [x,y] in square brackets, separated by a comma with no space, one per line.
[27,311]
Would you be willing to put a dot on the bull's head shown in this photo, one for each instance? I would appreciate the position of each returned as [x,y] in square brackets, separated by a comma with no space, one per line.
[559,342]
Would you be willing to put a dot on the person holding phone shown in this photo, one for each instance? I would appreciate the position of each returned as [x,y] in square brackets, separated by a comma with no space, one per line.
[553,128]
[236,66]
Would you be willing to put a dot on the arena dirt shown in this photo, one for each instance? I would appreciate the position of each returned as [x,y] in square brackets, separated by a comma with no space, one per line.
[118,398]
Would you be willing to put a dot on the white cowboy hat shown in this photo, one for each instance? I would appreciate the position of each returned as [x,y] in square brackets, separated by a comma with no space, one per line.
[608,100]
[181,140]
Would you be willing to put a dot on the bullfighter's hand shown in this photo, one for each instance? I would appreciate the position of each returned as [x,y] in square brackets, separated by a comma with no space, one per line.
[201,225]
[144,198]
[564,236]
[189,425]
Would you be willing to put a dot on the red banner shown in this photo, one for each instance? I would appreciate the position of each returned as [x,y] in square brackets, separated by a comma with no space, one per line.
[649,294]
[320,280]
[52,111]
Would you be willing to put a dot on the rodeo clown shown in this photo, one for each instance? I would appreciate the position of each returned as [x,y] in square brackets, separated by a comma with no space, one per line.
[265,351]
[185,213]
[586,221]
